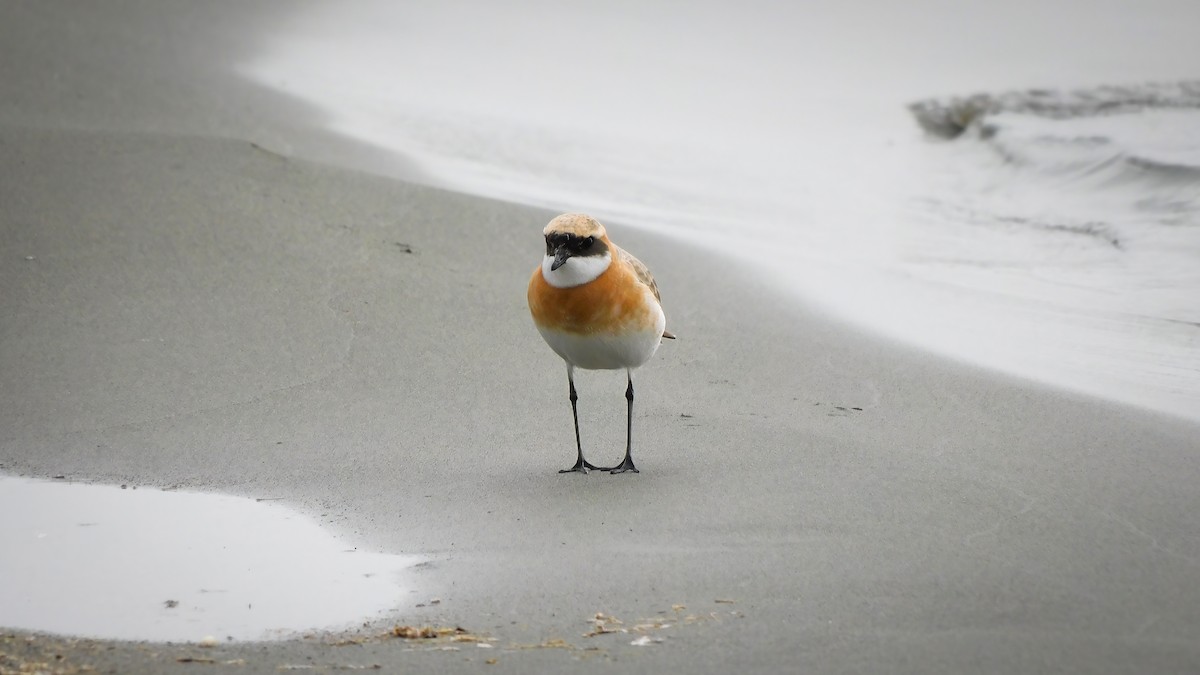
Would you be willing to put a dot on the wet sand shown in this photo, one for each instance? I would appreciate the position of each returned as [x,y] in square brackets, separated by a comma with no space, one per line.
[208,306]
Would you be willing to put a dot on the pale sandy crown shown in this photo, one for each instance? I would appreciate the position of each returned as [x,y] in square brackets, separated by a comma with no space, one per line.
[578,224]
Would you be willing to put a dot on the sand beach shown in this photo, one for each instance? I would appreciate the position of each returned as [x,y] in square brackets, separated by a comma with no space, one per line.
[204,289]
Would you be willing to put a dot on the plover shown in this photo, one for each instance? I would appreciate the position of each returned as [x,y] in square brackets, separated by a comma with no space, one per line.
[598,308]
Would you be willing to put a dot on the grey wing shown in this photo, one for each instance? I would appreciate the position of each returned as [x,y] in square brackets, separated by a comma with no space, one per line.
[642,272]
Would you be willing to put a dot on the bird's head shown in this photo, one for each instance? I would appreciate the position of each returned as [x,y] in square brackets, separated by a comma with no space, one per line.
[574,234]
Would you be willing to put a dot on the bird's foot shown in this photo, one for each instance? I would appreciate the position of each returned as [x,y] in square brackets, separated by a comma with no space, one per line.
[582,466]
[624,467]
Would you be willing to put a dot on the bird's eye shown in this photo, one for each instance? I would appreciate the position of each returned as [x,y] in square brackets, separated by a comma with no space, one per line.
[587,243]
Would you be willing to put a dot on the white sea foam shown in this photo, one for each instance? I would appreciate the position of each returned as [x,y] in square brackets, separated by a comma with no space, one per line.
[1061,250]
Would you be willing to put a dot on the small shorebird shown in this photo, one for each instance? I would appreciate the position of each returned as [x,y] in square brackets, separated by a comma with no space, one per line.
[598,308]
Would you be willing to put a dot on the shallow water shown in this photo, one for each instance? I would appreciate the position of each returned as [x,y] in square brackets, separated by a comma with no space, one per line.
[1059,250]
[146,564]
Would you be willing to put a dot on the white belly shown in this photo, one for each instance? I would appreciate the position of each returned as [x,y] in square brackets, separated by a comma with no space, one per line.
[607,351]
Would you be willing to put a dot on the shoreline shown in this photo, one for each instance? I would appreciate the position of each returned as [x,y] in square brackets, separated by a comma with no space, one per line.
[314,333]
[933,262]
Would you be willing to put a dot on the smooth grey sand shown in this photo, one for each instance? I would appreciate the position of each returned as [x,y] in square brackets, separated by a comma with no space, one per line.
[207,309]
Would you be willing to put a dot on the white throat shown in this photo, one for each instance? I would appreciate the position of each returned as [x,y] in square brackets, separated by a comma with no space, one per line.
[576,271]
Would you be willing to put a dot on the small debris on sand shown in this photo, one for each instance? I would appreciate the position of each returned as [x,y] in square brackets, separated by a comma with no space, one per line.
[423,633]
[604,623]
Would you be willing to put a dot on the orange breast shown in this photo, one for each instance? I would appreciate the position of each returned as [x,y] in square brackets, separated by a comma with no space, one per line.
[612,303]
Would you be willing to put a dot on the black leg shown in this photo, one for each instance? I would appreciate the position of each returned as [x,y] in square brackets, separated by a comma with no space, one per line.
[627,463]
[581,465]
